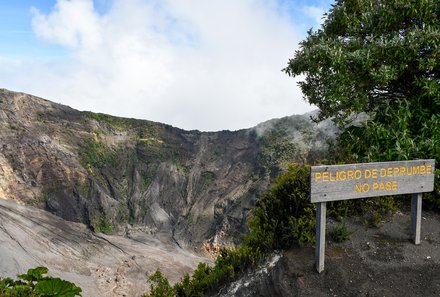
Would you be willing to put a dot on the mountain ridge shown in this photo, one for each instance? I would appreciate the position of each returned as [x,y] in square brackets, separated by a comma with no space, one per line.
[118,174]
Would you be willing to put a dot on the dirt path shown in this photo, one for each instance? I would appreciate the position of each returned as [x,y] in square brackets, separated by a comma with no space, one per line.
[374,262]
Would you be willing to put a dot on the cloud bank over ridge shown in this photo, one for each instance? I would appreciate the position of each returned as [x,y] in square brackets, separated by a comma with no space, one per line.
[195,64]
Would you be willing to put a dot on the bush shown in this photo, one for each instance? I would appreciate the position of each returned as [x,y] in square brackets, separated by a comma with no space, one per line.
[284,217]
[340,233]
[35,284]
[159,285]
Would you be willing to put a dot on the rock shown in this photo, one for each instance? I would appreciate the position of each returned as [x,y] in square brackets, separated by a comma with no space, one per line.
[102,265]
[109,172]
[269,280]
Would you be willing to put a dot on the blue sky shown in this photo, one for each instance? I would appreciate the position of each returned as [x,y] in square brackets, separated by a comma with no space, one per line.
[195,64]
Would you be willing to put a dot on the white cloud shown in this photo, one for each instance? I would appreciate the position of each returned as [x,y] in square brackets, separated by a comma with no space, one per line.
[194,64]
[314,12]
[72,23]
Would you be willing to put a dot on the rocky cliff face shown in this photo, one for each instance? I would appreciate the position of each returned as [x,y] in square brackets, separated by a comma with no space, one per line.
[123,175]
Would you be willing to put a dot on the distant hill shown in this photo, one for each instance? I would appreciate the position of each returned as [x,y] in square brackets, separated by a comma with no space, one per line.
[120,175]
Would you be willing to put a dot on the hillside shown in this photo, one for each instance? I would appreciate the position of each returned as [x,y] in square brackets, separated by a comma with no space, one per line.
[103,201]
[102,265]
[373,262]
[117,175]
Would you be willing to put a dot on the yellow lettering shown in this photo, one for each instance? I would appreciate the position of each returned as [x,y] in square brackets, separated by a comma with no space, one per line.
[363,188]
[332,178]
[317,176]
[390,172]
[358,174]
[350,174]
[374,173]
[343,175]
[402,170]
[429,169]
[415,170]
[394,185]
[367,173]
[366,187]
[388,186]
[422,169]
[382,186]
[396,171]
[375,186]
[325,176]
[383,172]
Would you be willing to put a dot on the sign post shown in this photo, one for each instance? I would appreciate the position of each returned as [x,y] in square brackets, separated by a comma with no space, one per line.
[416,217]
[353,181]
[321,208]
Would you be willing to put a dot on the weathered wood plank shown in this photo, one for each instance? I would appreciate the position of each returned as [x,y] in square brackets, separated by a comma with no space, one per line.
[342,182]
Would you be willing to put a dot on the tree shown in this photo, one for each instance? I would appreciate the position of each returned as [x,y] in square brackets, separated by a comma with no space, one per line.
[381,58]
[371,53]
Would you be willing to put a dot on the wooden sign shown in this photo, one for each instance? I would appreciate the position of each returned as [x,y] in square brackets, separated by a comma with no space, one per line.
[342,182]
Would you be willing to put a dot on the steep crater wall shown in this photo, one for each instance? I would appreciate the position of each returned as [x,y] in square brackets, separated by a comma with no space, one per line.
[124,175]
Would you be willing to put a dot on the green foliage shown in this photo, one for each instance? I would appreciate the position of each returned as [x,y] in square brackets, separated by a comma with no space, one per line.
[370,53]
[55,287]
[284,216]
[159,285]
[275,149]
[374,210]
[146,179]
[153,149]
[205,278]
[35,284]
[377,209]
[374,219]
[122,124]
[207,177]
[382,58]
[340,233]
[34,274]
[96,155]
[103,225]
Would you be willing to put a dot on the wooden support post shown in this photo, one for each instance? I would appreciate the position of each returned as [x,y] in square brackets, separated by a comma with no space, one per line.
[320,236]
[416,216]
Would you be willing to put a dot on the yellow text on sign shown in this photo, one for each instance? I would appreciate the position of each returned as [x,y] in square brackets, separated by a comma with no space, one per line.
[375,173]
[376,186]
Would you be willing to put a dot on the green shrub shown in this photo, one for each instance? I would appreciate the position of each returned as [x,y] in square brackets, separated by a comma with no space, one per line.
[373,209]
[284,216]
[35,284]
[96,155]
[340,233]
[103,225]
[159,285]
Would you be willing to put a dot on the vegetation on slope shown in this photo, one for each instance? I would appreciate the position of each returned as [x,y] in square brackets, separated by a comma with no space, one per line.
[381,58]
[283,218]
